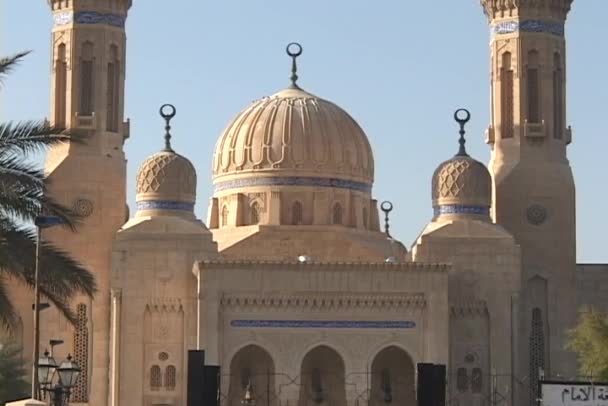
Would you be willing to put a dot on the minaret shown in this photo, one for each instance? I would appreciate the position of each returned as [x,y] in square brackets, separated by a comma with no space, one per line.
[533,195]
[88,74]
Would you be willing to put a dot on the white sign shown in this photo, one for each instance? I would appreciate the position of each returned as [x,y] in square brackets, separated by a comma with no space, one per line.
[574,394]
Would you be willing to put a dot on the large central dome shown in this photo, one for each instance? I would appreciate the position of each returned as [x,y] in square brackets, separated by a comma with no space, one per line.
[297,135]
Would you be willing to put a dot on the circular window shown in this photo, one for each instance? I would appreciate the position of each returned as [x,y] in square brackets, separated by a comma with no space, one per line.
[536,214]
[163,356]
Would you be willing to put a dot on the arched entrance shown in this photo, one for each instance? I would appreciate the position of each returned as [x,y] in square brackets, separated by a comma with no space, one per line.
[392,379]
[322,378]
[252,375]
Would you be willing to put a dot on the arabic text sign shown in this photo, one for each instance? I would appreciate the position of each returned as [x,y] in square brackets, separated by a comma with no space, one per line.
[574,394]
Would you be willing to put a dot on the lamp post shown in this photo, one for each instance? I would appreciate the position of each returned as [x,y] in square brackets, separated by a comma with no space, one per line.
[40,222]
[66,375]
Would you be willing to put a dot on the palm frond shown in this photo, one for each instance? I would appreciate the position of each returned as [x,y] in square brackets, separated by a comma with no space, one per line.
[8,314]
[7,64]
[61,278]
[31,136]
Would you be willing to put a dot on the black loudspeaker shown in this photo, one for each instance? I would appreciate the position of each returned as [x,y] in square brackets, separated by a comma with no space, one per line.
[196,377]
[424,392]
[211,385]
[439,377]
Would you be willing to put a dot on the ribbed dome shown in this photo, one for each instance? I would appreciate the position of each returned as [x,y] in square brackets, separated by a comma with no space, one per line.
[294,133]
[462,185]
[166,178]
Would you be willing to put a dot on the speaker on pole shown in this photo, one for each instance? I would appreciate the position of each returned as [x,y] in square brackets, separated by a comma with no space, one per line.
[196,377]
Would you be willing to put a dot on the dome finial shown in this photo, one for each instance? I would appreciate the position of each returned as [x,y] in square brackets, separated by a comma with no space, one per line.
[294,50]
[386,207]
[167,111]
[462,120]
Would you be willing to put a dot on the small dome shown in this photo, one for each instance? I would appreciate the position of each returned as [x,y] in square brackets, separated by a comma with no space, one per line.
[294,133]
[462,185]
[166,180]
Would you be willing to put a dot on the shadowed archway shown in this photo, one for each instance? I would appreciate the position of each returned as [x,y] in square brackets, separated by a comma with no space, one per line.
[392,380]
[322,378]
[252,369]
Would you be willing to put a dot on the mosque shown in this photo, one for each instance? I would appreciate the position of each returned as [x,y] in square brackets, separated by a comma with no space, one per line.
[291,284]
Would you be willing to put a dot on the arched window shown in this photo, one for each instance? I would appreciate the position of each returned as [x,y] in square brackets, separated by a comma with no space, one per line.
[365,218]
[337,214]
[558,97]
[254,213]
[532,87]
[170,378]
[462,380]
[296,213]
[112,93]
[60,86]
[506,96]
[476,380]
[155,378]
[224,216]
[81,354]
[86,79]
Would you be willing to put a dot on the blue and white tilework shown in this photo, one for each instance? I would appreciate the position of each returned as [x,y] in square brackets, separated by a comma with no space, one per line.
[386,324]
[459,209]
[293,181]
[164,205]
[88,17]
[513,26]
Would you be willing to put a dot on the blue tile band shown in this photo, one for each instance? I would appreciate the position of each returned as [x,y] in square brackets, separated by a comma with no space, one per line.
[459,209]
[513,26]
[164,205]
[88,17]
[392,324]
[293,181]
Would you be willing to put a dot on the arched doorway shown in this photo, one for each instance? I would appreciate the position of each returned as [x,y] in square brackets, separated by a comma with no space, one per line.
[252,375]
[322,378]
[392,379]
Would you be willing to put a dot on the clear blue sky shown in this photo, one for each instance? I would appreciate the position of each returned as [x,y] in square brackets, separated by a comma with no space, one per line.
[399,67]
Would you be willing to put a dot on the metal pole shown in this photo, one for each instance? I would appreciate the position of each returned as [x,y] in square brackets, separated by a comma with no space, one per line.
[35,394]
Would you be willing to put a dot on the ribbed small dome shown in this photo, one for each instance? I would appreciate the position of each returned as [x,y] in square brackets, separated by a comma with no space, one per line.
[294,132]
[166,177]
[462,182]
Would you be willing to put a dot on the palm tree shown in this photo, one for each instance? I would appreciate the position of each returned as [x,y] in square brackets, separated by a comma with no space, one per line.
[22,198]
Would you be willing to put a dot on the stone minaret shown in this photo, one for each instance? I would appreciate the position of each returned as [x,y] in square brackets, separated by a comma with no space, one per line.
[88,73]
[533,192]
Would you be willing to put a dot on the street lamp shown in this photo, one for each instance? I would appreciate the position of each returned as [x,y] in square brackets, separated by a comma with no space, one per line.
[40,222]
[66,375]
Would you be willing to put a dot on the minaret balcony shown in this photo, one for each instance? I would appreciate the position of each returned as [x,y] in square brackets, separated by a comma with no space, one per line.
[534,130]
[85,121]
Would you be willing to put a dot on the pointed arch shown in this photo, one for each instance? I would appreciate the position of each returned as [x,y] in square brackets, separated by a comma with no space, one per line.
[506,97]
[336,217]
[253,367]
[87,79]
[113,89]
[558,97]
[60,86]
[170,378]
[322,377]
[155,378]
[296,213]
[365,215]
[224,215]
[533,87]
[393,378]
